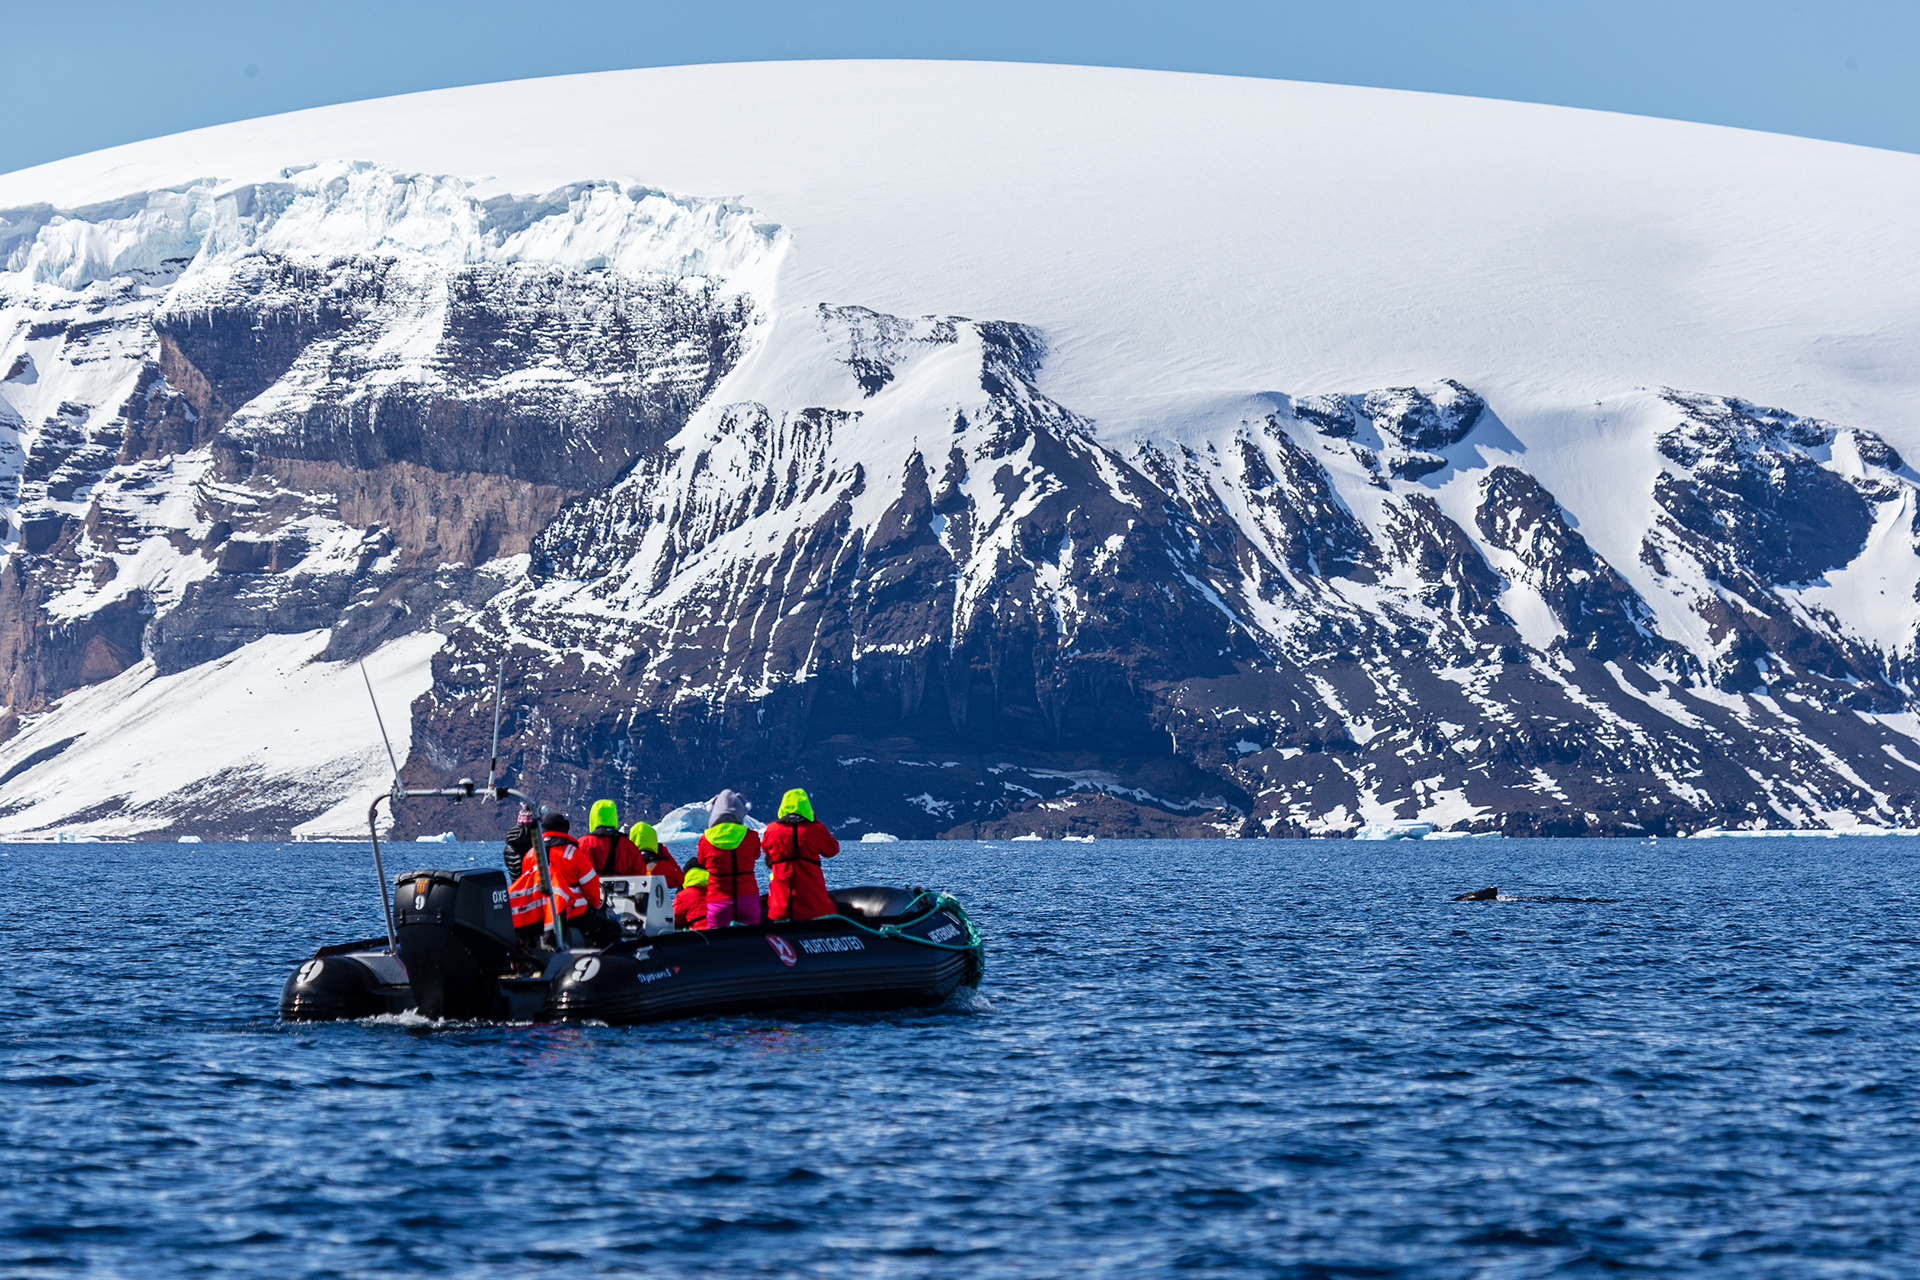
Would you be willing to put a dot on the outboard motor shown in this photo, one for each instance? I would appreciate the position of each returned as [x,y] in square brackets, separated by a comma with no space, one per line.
[355,980]
[455,933]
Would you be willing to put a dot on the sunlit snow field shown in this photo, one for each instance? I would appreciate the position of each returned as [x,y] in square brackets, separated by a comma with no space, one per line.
[1193,1058]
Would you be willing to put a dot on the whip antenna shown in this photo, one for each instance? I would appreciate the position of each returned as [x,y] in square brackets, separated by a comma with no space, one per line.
[381,722]
[493,761]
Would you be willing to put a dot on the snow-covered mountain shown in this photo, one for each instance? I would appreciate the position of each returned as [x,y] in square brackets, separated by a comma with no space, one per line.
[987,448]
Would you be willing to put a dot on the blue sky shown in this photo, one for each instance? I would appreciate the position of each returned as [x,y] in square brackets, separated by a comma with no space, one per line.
[93,73]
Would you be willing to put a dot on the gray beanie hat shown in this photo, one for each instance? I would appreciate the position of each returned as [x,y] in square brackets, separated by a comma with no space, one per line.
[726,807]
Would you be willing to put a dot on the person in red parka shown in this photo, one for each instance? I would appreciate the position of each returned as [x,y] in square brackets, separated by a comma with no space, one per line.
[603,842]
[728,850]
[794,844]
[690,904]
[644,855]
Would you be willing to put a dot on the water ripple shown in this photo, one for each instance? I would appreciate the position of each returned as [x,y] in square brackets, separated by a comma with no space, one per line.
[1257,1058]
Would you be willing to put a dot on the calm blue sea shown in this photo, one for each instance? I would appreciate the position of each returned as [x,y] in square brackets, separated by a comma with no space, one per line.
[1259,1058]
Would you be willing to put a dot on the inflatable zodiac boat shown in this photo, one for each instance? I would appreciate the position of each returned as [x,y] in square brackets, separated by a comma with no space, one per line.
[450,952]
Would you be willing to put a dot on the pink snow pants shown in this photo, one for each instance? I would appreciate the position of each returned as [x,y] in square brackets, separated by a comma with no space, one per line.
[744,909]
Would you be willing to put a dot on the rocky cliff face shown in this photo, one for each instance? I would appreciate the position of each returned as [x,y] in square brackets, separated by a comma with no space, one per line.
[869,554]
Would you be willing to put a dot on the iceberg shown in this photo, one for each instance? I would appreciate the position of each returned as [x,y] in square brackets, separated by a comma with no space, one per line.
[1790,833]
[688,822]
[1394,831]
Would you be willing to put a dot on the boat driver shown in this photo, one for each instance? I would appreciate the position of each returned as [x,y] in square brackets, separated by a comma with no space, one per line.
[519,841]
[576,887]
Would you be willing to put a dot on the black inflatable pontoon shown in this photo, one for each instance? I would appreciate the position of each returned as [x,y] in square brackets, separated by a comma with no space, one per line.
[452,953]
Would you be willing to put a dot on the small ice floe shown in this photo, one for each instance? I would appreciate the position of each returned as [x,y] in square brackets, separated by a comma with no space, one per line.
[1078,839]
[1394,831]
[445,837]
[879,837]
[1811,833]
[188,840]
[1031,835]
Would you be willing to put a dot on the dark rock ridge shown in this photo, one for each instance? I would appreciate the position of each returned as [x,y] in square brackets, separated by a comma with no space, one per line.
[321,441]
[919,585]
[1200,632]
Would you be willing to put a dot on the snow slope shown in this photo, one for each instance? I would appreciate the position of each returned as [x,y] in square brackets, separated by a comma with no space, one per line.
[1180,233]
[156,751]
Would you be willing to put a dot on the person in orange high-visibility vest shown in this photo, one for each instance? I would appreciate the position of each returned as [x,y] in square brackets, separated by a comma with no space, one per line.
[523,895]
[576,890]
[523,898]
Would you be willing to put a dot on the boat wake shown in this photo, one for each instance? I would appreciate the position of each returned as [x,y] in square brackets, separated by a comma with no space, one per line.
[968,1000]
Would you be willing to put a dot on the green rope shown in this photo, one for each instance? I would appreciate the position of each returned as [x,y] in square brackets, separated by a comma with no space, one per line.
[974,943]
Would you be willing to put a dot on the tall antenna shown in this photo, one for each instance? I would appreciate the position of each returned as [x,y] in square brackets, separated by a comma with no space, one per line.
[493,761]
[381,722]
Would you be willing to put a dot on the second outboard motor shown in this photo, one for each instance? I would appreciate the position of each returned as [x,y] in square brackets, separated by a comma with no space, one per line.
[357,980]
[455,933]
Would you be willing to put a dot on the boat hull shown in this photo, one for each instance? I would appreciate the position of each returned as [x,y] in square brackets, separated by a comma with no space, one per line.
[917,958]
[830,964]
